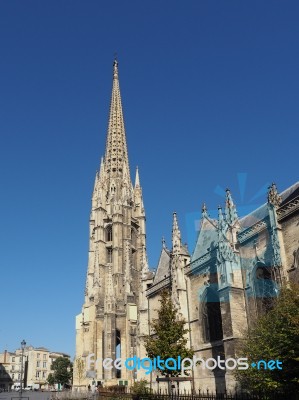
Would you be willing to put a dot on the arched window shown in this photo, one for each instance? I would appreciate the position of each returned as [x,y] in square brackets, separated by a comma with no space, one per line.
[265,288]
[109,235]
[211,316]
[109,255]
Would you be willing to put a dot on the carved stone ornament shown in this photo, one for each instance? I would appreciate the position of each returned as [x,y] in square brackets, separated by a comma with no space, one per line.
[225,252]
[273,197]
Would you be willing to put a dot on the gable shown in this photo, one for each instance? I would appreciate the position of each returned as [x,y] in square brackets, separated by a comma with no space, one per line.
[207,238]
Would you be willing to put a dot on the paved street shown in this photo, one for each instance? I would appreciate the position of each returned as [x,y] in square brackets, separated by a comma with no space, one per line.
[27,395]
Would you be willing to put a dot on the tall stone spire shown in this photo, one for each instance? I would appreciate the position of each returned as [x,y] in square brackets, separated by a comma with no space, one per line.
[116,156]
[117,263]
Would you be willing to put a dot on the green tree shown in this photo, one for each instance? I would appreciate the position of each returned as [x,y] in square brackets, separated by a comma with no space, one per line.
[275,336]
[62,370]
[50,379]
[169,335]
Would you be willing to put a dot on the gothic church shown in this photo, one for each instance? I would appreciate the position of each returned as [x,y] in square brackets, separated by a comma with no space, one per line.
[232,275]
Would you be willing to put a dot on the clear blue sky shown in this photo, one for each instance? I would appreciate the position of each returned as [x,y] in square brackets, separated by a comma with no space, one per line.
[210,90]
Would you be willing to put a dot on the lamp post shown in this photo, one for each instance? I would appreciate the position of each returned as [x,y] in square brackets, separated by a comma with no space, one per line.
[23,344]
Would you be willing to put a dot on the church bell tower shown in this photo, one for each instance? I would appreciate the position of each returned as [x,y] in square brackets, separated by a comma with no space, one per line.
[107,325]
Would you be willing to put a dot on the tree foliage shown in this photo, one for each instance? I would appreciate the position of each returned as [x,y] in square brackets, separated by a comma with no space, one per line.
[275,336]
[62,371]
[140,387]
[169,335]
[50,379]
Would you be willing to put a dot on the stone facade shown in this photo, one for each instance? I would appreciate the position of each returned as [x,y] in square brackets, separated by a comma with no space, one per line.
[232,276]
[235,271]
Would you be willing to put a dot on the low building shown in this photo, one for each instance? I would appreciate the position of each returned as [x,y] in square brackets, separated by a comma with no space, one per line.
[37,363]
[7,374]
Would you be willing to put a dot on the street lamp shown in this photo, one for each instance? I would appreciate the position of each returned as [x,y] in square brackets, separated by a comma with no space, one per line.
[23,344]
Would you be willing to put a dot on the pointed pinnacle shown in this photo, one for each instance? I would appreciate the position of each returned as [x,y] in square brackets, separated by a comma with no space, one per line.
[137,181]
[229,200]
[175,225]
[101,172]
[273,196]
[144,260]
[220,211]
[176,233]
[95,181]
[230,208]
[204,209]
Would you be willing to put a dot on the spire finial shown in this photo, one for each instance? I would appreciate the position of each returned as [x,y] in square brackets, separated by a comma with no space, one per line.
[204,210]
[163,242]
[115,67]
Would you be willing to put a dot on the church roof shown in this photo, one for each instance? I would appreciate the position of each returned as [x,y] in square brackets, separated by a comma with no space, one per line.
[163,269]
[262,212]
[289,194]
